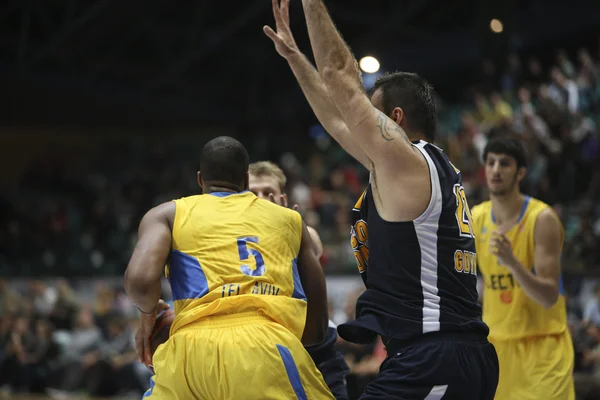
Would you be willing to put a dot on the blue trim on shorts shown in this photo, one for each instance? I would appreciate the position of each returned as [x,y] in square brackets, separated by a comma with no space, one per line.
[292,371]
[149,391]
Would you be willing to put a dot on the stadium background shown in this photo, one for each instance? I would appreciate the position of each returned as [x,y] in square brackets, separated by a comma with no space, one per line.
[105,106]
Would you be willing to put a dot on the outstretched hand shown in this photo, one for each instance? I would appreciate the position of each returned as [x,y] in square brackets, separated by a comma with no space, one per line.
[283,38]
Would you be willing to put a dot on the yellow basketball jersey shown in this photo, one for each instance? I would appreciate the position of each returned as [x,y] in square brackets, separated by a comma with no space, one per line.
[233,253]
[507,309]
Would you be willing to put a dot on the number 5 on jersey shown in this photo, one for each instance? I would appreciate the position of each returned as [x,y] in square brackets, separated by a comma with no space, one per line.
[463,212]
[245,255]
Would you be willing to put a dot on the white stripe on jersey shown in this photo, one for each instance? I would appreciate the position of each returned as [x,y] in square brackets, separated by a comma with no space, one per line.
[426,228]
[437,392]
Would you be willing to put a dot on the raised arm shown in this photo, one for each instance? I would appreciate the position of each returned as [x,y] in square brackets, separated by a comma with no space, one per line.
[310,82]
[315,290]
[143,274]
[382,140]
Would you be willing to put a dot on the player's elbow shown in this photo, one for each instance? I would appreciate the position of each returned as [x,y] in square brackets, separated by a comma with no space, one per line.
[550,299]
[137,284]
[336,72]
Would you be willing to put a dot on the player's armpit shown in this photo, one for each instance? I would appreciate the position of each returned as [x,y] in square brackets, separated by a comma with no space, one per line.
[147,263]
[548,240]
[315,290]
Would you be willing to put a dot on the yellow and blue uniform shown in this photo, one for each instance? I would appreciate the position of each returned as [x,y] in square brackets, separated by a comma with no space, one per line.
[240,309]
[534,346]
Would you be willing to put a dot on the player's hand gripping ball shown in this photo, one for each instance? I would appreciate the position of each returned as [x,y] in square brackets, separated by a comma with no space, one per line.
[162,326]
[152,330]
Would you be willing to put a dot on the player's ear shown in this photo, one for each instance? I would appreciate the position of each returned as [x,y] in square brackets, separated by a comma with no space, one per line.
[200,180]
[521,173]
[398,116]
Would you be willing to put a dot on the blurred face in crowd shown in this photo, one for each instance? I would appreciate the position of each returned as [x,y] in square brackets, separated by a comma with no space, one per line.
[557,75]
[21,325]
[502,174]
[36,287]
[524,95]
[42,329]
[263,185]
[85,319]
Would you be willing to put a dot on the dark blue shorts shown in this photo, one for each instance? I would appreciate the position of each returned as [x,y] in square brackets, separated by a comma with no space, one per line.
[331,364]
[437,366]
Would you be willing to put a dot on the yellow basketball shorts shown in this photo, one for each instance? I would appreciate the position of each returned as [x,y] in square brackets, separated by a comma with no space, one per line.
[241,356]
[537,368]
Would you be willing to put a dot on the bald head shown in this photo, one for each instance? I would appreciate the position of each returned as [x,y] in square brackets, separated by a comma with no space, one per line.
[224,163]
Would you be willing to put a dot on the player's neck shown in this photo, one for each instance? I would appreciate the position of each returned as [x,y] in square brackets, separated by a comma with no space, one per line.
[215,188]
[507,208]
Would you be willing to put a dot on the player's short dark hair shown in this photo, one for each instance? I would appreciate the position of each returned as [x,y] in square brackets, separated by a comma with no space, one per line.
[508,145]
[225,160]
[414,95]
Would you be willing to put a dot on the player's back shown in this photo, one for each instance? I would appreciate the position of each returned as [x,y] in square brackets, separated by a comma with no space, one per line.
[232,253]
[421,295]
[420,275]
[239,304]
[507,309]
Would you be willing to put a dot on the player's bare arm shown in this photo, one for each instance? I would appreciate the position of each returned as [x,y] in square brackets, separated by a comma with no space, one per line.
[143,274]
[543,286]
[315,290]
[310,81]
[147,264]
[317,243]
[398,164]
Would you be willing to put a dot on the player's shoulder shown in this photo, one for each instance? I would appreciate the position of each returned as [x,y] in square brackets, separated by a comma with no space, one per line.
[537,205]
[537,210]
[545,217]
[276,211]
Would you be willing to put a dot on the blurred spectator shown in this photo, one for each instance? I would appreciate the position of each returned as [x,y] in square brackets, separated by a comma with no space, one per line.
[44,297]
[591,315]
[65,309]
[563,91]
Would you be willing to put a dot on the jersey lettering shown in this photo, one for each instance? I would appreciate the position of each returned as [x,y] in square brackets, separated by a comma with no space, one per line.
[359,239]
[501,282]
[463,212]
[465,262]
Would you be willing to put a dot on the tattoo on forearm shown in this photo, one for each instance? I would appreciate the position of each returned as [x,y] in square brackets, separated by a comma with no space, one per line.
[389,130]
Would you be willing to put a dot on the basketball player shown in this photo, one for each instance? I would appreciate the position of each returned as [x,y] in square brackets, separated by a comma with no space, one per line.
[267,181]
[519,241]
[412,235]
[247,287]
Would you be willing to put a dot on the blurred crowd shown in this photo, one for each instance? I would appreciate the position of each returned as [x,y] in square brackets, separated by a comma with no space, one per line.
[78,214]
[54,341]
[69,339]
[557,119]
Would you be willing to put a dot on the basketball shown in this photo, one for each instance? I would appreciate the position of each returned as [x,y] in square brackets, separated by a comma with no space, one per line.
[162,326]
